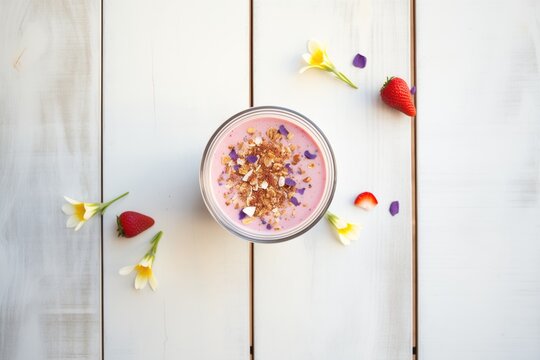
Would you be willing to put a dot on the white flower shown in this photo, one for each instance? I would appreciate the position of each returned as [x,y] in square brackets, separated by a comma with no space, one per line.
[144,273]
[144,267]
[346,232]
[317,58]
[80,212]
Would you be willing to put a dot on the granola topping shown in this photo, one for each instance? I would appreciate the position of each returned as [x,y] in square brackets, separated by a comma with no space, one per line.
[262,176]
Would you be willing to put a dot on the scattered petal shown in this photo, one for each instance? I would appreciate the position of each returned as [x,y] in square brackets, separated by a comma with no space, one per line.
[366,200]
[252,159]
[300,191]
[359,61]
[413,90]
[394,208]
[233,155]
[290,182]
[294,201]
[309,155]
[268,227]
[241,215]
[289,168]
[283,131]
[236,167]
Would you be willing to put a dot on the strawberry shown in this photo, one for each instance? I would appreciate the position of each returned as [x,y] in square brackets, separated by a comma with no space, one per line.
[366,200]
[131,223]
[396,93]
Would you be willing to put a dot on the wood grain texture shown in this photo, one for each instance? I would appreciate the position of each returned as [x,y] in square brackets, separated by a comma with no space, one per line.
[479,179]
[49,146]
[174,71]
[314,298]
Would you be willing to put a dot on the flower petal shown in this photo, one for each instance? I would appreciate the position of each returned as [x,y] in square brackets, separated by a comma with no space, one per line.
[153,282]
[413,90]
[309,155]
[307,58]
[146,261]
[71,201]
[360,61]
[68,209]
[344,240]
[336,221]
[314,45]
[394,208]
[79,225]
[126,270]
[90,210]
[140,281]
[72,221]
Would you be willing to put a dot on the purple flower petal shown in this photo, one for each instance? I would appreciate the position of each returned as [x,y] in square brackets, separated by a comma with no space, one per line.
[294,201]
[263,221]
[252,159]
[309,155]
[413,90]
[301,191]
[241,215]
[290,182]
[359,61]
[236,167]
[233,155]
[394,208]
[269,227]
[283,131]
[289,168]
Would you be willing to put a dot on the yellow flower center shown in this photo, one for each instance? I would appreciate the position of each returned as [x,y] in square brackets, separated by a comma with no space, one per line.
[317,58]
[79,211]
[349,228]
[144,271]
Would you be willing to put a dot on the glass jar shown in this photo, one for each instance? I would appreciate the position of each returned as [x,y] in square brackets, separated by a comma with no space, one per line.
[212,188]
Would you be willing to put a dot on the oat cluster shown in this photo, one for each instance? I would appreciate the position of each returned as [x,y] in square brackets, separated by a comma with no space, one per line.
[263,176]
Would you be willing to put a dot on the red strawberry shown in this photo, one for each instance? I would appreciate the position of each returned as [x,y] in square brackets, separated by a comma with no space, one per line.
[131,223]
[366,200]
[396,93]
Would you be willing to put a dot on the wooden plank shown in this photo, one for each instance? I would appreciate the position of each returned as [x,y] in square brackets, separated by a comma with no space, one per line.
[174,71]
[314,298]
[479,179]
[49,147]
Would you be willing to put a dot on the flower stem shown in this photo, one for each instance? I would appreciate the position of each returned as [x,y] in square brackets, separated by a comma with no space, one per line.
[345,79]
[155,242]
[108,203]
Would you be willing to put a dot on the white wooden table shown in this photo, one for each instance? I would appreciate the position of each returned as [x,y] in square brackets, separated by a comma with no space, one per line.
[101,97]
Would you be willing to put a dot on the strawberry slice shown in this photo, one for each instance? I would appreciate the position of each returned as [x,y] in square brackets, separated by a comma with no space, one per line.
[366,200]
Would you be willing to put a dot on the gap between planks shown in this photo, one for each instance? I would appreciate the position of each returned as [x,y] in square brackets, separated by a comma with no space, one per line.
[251,245]
[414,227]
[102,308]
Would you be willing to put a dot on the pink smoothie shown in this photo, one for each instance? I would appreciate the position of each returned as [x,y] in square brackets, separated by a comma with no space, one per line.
[300,182]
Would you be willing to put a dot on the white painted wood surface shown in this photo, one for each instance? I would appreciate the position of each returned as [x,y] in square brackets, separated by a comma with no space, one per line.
[314,298]
[49,146]
[479,179]
[174,71]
